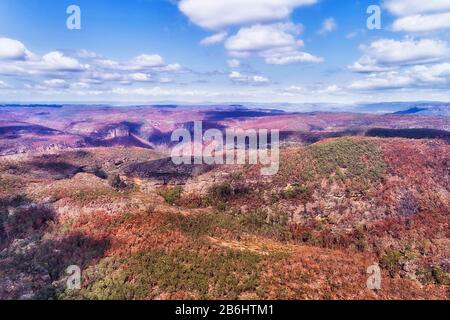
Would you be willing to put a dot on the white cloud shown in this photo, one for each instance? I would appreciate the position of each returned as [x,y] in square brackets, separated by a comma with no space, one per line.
[263,37]
[411,7]
[106,76]
[389,80]
[234,63]
[328,25]
[403,65]
[385,54]
[80,85]
[51,64]
[351,35]
[419,15]
[56,83]
[260,79]
[219,14]
[81,73]
[276,43]
[281,56]
[316,90]
[4,85]
[148,61]
[58,61]
[215,38]
[332,89]
[11,49]
[140,77]
[175,67]
[422,76]
[292,90]
[165,80]
[438,73]
[238,77]
[422,23]
[159,92]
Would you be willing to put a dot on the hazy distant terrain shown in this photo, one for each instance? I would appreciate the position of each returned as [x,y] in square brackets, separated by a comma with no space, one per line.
[45,127]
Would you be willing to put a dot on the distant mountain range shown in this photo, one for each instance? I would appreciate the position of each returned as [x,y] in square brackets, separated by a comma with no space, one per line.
[405,108]
[419,108]
[425,108]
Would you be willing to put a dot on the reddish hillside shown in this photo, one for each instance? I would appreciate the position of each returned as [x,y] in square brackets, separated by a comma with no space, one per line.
[310,232]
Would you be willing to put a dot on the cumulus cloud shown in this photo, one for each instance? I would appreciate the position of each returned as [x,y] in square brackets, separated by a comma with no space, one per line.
[140,77]
[50,64]
[411,7]
[280,56]
[403,65]
[386,54]
[11,49]
[81,70]
[57,61]
[419,15]
[147,61]
[215,38]
[423,76]
[328,25]
[438,73]
[238,77]
[276,43]
[389,80]
[264,37]
[219,14]
[421,23]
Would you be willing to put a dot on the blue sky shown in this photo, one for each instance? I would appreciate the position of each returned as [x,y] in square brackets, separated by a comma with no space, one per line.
[224,51]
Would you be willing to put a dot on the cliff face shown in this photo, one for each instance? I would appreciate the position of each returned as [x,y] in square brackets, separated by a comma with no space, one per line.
[164,172]
[111,132]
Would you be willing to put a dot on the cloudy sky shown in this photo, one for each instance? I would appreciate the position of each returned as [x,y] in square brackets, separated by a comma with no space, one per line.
[224,51]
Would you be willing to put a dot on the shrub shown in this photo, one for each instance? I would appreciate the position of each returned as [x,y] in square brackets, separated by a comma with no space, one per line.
[294,191]
[440,276]
[220,191]
[25,222]
[100,173]
[171,195]
[414,133]
[194,226]
[433,275]
[221,274]
[116,182]
[408,204]
[362,160]
[256,222]
[394,260]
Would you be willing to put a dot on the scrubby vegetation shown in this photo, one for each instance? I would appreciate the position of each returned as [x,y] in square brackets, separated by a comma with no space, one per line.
[352,163]
[27,221]
[310,232]
[255,222]
[348,159]
[416,133]
[172,195]
[214,274]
